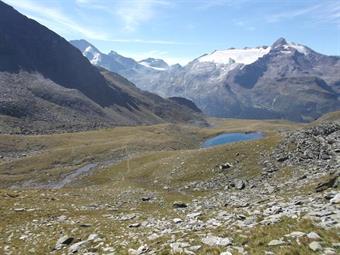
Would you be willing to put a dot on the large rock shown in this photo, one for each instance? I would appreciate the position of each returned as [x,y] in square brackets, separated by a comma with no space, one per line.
[239,184]
[315,246]
[63,241]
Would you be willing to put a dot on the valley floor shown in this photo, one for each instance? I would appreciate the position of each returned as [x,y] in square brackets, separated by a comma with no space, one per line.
[152,190]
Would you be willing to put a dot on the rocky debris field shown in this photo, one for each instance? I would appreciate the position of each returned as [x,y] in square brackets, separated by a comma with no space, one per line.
[291,207]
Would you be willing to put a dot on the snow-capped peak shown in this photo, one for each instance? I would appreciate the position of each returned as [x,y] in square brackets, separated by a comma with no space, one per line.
[93,54]
[157,64]
[289,46]
[242,56]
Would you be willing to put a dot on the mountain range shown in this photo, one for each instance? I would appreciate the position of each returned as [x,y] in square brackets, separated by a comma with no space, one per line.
[285,80]
[47,84]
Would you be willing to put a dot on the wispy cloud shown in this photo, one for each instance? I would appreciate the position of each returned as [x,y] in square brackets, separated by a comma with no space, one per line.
[326,12]
[135,12]
[331,13]
[291,14]
[53,15]
[244,25]
[132,13]
[208,4]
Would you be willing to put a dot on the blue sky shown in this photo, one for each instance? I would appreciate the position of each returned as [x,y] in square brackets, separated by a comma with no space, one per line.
[179,31]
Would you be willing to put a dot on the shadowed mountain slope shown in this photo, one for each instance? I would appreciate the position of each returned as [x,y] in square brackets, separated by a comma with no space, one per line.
[47,84]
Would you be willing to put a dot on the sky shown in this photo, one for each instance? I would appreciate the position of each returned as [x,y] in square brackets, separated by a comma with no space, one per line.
[180,30]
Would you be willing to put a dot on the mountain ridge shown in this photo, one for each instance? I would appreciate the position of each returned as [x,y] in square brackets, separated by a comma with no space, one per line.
[252,83]
[46,84]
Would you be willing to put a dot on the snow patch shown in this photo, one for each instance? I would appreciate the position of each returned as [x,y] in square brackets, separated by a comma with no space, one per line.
[241,56]
[96,55]
[146,64]
[300,48]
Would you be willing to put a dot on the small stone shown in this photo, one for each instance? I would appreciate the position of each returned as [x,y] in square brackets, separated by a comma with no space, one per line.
[194,215]
[132,251]
[76,247]
[19,209]
[62,218]
[276,243]
[226,253]
[329,251]
[295,234]
[153,236]
[128,217]
[177,220]
[273,210]
[241,217]
[336,245]
[93,237]
[315,246]
[32,250]
[179,204]
[85,225]
[64,240]
[313,236]
[282,158]
[135,225]
[216,241]
[141,250]
[239,184]
[225,166]
[179,247]
[335,199]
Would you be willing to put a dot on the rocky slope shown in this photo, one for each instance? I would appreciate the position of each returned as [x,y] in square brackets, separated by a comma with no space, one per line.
[291,206]
[46,84]
[286,80]
[186,102]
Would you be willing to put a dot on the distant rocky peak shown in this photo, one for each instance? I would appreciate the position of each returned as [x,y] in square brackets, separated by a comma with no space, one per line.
[286,47]
[113,53]
[82,45]
[279,42]
[154,63]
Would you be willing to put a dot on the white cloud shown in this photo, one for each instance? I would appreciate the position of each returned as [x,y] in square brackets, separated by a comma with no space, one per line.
[135,12]
[291,14]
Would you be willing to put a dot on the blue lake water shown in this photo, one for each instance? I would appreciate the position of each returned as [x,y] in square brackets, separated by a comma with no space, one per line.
[231,138]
